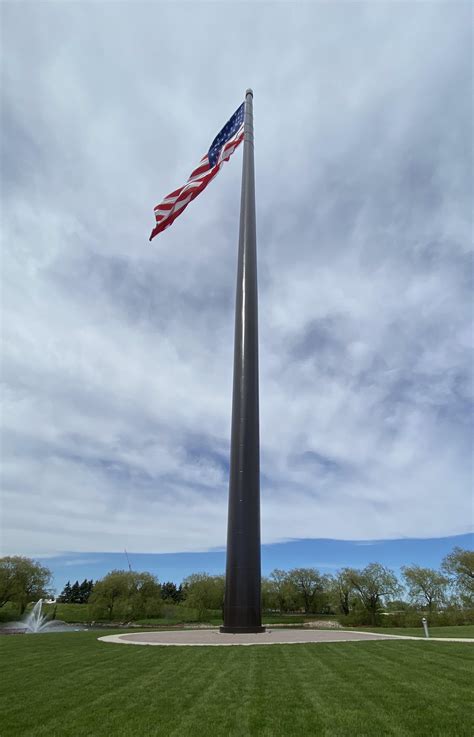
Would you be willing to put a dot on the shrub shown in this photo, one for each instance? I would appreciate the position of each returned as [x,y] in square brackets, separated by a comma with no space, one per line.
[410,618]
[359,618]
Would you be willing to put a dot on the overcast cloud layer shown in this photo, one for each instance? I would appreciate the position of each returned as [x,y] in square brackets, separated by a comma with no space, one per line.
[117,354]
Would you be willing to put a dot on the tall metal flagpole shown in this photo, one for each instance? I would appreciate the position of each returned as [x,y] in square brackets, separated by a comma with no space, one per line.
[242,602]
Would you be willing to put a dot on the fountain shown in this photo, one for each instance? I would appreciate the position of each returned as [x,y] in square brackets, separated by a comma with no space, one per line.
[36,622]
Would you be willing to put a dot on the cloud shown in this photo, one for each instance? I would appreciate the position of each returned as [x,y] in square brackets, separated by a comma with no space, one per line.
[73,562]
[117,356]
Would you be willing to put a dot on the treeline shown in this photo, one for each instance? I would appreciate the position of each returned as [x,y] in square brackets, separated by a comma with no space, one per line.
[359,596]
[78,593]
[374,589]
[128,595]
[356,596]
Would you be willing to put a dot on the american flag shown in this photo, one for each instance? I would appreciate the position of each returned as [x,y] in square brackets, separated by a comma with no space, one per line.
[220,150]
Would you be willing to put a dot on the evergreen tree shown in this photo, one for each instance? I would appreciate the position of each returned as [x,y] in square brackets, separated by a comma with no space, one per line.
[84,591]
[169,591]
[65,596]
[91,587]
[75,593]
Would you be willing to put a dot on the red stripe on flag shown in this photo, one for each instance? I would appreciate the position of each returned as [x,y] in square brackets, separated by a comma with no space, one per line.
[197,182]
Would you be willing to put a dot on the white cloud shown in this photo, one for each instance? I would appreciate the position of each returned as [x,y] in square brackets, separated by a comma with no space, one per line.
[117,355]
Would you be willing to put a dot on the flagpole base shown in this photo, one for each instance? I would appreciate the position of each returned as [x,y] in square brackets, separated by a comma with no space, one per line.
[241,630]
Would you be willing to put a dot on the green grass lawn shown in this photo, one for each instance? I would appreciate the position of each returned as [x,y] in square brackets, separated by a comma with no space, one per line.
[70,612]
[463,630]
[172,615]
[71,685]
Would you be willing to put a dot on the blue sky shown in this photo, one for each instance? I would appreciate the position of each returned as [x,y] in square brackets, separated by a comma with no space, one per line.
[117,354]
[326,555]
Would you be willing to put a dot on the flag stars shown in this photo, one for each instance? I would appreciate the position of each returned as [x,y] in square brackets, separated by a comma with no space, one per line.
[229,130]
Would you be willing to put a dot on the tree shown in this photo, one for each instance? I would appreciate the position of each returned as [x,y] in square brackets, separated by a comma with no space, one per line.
[65,595]
[114,586]
[268,599]
[280,591]
[126,595]
[373,584]
[342,590]
[459,567]
[171,592]
[23,580]
[8,569]
[426,587]
[204,592]
[309,584]
[85,590]
[75,593]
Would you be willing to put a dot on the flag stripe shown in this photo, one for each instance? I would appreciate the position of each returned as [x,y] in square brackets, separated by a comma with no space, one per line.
[176,202]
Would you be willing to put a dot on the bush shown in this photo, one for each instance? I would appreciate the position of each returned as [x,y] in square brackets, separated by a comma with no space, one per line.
[360,618]
[410,618]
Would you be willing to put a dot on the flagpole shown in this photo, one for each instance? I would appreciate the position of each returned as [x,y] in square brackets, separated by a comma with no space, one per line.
[242,601]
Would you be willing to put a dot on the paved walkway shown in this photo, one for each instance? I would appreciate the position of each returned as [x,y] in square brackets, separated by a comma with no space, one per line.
[213,637]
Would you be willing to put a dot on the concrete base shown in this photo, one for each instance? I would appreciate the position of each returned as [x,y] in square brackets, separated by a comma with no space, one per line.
[214,638]
[241,630]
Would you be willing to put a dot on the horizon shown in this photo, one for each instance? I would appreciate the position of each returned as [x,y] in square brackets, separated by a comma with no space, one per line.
[325,555]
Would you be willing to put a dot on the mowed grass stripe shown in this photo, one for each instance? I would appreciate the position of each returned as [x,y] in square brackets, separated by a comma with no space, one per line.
[364,697]
[317,691]
[214,676]
[386,690]
[354,686]
[70,685]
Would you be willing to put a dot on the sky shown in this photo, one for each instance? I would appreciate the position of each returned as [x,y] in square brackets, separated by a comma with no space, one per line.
[117,354]
[327,556]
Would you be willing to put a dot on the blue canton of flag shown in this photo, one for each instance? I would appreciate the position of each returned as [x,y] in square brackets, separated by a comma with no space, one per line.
[230,129]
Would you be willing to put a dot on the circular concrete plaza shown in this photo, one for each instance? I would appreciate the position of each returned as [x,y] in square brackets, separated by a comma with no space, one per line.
[213,637]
